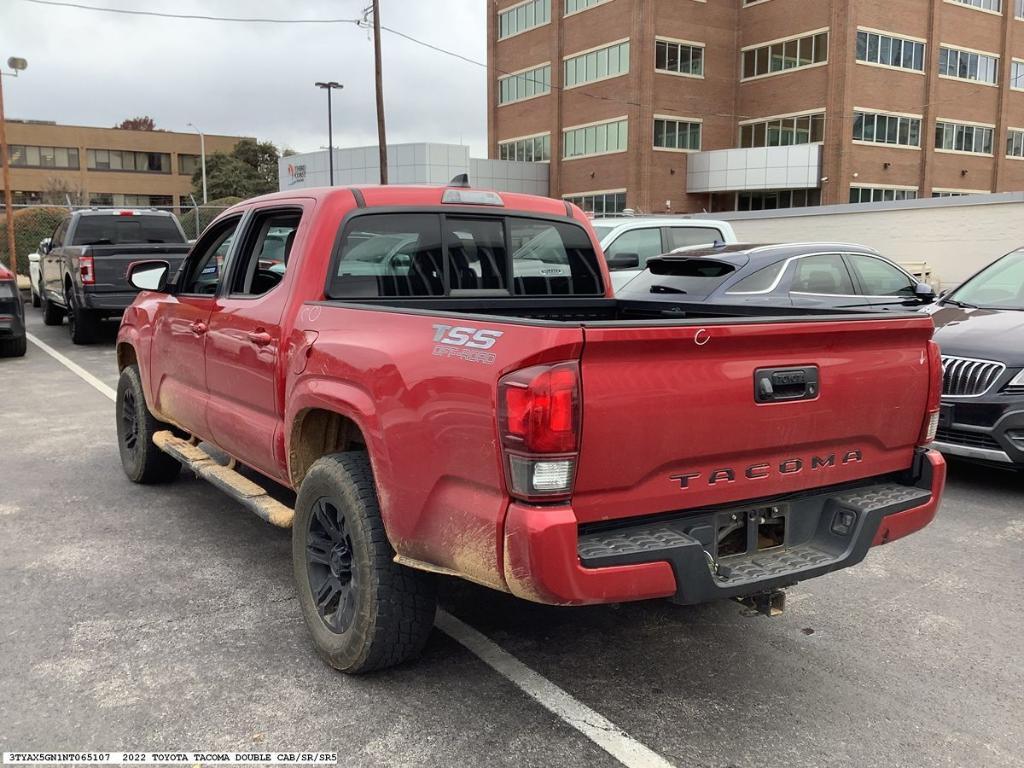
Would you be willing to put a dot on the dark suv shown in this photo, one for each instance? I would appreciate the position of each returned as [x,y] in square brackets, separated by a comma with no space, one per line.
[980,329]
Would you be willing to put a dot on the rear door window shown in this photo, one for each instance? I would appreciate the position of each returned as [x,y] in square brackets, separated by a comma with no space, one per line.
[124,230]
[879,278]
[824,274]
[682,237]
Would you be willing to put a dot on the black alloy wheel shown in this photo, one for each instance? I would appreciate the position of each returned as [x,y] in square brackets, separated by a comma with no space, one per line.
[332,579]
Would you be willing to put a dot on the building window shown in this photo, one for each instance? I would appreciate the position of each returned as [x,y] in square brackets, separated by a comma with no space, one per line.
[996,6]
[785,55]
[876,48]
[23,156]
[879,128]
[881,194]
[610,61]
[957,192]
[126,160]
[575,6]
[1015,143]
[679,58]
[963,137]
[783,131]
[524,85]
[598,139]
[670,133]
[783,198]
[533,149]
[599,203]
[519,18]
[1017,75]
[188,164]
[1018,9]
[968,65]
[26,198]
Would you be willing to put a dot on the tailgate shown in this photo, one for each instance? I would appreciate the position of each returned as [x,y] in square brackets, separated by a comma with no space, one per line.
[671,419]
[111,263]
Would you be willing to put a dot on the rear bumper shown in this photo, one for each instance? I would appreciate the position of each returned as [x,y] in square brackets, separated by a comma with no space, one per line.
[109,302]
[548,560]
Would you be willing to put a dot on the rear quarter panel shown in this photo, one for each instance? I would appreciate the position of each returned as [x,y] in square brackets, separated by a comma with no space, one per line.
[429,420]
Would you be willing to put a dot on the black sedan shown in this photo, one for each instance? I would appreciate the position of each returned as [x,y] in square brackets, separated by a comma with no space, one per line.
[12,316]
[980,329]
[822,275]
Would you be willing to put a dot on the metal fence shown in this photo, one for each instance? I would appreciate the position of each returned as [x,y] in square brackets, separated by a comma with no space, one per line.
[33,223]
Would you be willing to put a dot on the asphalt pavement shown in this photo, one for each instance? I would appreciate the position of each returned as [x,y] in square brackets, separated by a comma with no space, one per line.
[164,618]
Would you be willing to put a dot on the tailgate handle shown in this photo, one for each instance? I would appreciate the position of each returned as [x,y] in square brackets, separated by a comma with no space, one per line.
[774,385]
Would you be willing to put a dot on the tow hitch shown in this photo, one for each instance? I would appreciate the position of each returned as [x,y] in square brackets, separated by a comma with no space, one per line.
[770,603]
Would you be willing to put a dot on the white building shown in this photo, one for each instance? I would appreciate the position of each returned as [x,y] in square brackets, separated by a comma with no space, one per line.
[419,163]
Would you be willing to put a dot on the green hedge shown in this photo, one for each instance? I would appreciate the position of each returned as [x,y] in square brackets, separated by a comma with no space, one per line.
[30,226]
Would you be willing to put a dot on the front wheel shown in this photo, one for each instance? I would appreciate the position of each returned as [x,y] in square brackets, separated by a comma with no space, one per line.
[143,462]
[36,301]
[52,314]
[363,610]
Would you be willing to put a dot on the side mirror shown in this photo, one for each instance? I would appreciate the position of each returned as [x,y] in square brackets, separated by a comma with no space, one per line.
[45,246]
[148,275]
[623,261]
[924,292]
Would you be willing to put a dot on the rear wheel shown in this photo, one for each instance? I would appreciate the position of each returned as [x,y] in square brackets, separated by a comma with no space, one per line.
[13,347]
[143,462]
[83,324]
[52,314]
[363,610]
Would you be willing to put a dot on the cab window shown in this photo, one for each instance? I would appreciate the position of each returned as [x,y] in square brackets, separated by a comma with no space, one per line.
[645,243]
[205,265]
[264,255]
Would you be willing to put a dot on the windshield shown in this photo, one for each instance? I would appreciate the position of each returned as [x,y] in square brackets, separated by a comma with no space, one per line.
[998,286]
[602,232]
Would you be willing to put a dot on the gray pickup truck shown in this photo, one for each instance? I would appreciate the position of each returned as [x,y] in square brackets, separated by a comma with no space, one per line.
[83,268]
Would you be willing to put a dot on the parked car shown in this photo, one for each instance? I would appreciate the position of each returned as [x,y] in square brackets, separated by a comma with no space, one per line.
[812,275]
[35,272]
[629,241]
[429,413]
[980,329]
[13,342]
[83,267]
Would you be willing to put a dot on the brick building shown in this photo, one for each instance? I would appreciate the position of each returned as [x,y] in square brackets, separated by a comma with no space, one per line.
[104,166]
[684,105]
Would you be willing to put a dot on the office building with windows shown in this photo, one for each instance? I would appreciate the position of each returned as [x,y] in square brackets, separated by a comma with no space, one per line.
[104,166]
[718,105]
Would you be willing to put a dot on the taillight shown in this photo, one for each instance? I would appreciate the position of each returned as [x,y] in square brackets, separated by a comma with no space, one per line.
[931,417]
[87,270]
[539,420]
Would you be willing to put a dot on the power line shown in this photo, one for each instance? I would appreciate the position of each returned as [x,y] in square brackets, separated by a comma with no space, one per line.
[189,16]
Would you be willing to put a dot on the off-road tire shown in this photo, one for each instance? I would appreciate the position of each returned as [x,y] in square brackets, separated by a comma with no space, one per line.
[143,462]
[83,324]
[14,347]
[392,607]
[52,313]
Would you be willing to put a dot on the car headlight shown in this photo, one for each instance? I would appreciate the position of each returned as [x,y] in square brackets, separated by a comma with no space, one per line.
[1016,385]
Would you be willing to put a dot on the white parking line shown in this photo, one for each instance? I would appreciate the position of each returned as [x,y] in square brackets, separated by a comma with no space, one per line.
[572,711]
[554,699]
[74,367]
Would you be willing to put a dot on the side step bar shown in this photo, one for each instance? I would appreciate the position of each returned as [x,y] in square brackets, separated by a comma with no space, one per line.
[235,485]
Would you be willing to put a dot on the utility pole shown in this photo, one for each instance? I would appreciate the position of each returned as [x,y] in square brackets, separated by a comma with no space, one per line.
[382,140]
[202,159]
[16,66]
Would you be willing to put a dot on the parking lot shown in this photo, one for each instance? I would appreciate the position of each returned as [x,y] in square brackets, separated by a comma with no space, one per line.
[164,618]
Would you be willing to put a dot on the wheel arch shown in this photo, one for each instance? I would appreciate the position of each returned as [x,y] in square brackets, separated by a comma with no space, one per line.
[318,431]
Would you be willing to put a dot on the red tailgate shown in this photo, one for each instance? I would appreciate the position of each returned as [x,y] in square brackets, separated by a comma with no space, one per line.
[670,419]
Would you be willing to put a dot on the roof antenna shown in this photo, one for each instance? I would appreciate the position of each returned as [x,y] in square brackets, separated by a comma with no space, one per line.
[462,180]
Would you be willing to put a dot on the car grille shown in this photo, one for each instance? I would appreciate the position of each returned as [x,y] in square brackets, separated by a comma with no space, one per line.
[963,437]
[964,377]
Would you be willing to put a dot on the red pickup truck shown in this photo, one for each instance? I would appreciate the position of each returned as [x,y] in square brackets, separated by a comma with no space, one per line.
[444,378]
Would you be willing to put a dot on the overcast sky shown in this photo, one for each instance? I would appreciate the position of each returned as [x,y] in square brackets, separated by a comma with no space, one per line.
[93,68]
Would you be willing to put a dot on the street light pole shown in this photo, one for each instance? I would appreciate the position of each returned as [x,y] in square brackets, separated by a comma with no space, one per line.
[16,66]
[330,86]
[202,157]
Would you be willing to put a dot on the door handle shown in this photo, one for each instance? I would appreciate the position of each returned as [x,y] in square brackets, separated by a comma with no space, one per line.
[259,338]
[198,327]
